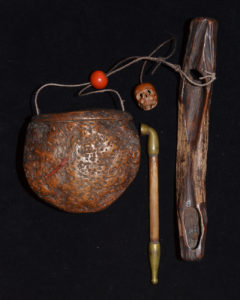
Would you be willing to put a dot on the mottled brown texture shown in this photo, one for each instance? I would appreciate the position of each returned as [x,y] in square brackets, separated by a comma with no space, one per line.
[146,96]
[81,161]
[193,117]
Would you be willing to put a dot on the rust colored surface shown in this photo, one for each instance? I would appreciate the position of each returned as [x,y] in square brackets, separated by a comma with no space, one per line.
[81,161]
[193,118]
[146,96]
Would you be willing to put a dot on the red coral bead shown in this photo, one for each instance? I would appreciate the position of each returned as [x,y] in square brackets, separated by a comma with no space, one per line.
[98,80]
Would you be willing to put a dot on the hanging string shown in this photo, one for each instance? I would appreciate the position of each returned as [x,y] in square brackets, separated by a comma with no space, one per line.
[159,63]
[127,62]
[158,60]
[54,84]
[108,90]
[175,67]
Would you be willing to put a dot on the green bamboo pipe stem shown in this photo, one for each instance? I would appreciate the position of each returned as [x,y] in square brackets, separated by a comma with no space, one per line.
[154,245]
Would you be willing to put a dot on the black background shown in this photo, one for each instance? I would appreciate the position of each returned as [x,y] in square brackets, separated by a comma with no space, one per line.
[49,254]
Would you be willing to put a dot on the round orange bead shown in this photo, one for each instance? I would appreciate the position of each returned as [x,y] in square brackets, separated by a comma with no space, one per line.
[98,80]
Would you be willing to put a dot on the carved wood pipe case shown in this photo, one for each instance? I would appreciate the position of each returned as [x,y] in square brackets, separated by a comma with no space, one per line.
[192,146]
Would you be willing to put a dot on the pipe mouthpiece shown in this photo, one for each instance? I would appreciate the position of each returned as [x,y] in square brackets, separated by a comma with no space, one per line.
[154,258]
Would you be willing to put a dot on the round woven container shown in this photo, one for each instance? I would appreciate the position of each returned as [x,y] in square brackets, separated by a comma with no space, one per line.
[81,161]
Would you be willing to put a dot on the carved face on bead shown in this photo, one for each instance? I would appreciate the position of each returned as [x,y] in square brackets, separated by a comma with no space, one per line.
[146,96]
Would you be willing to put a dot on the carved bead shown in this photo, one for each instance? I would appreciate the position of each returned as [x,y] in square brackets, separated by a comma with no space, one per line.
[146,96]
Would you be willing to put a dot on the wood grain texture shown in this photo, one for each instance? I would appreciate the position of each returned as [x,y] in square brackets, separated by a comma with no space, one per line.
[192,146]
